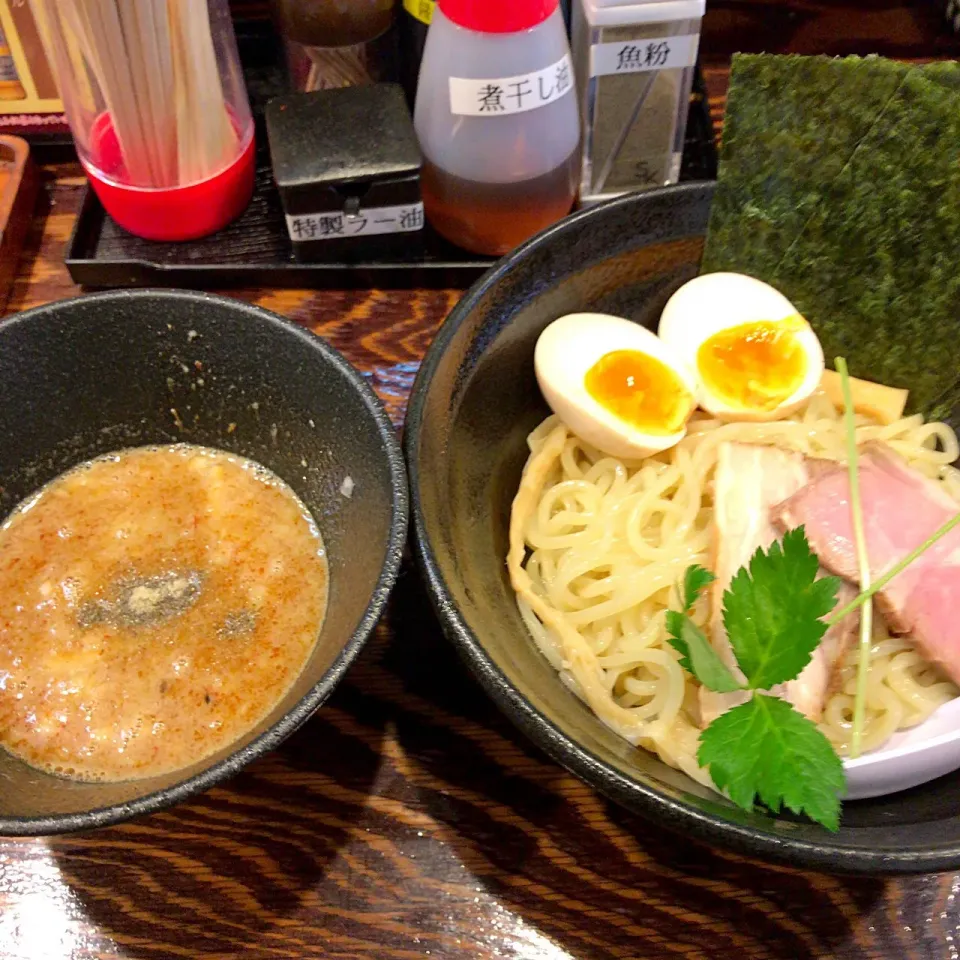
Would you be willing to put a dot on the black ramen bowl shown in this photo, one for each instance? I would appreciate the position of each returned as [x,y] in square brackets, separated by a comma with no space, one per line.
[474,403]
[82,377]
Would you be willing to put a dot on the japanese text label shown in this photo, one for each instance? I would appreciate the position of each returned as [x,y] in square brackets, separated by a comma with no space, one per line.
[339,226]
[637,56]
[503,96]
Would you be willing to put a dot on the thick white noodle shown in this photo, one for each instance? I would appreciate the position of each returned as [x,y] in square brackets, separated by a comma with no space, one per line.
[597,546]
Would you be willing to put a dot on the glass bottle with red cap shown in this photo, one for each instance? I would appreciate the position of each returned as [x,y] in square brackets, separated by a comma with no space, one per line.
[498,122]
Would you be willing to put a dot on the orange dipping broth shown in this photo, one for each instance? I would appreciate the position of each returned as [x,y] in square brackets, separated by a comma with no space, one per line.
[155,605]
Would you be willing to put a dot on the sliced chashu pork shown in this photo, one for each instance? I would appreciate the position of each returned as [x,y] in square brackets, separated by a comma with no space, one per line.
[901,509]
[749,482]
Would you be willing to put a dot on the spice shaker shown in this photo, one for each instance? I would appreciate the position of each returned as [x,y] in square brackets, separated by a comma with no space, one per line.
[498,122]
[635,62]
[336,43]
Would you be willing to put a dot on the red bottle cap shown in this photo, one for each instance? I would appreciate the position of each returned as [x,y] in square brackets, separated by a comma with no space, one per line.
[498,16]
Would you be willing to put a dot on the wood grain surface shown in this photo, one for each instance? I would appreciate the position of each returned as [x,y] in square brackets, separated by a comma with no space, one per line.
[409,819]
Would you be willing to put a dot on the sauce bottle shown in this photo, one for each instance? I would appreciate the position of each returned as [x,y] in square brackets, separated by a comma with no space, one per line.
[498,122]
[414,21]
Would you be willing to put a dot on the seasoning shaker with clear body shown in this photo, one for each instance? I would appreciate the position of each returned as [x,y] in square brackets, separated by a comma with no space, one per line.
[498,123]
[634,61]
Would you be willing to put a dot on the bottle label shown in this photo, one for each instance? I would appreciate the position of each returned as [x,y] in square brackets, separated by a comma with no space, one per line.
[421,9]
[638,56]
[501,96]
[334,225]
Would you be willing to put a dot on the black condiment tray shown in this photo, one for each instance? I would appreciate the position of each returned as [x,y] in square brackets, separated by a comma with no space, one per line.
[255,250]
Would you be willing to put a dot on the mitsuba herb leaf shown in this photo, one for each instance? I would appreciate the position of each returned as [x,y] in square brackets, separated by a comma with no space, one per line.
[766,750]
[773,616]
[697,655]
[695,581]
[772,611]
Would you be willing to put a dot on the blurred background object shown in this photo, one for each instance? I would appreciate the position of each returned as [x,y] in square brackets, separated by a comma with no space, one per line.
[27,83]
[337,43]
[414,21]
[10,86]
[19,183]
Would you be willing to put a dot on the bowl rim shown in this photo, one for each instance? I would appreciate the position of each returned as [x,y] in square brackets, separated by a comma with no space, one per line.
[636,796]
[271,738]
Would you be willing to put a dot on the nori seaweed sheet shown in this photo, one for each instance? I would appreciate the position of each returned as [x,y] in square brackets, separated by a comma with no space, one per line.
[841,187]
[775,156]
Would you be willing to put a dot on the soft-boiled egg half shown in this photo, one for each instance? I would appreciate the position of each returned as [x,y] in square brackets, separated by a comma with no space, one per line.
[753,355]
[615,384]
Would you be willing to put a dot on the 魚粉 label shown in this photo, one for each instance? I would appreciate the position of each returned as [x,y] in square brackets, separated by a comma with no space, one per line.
[502,96]
[639,56]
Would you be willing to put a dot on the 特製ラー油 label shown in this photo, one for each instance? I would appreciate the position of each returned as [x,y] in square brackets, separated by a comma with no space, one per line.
[336,225]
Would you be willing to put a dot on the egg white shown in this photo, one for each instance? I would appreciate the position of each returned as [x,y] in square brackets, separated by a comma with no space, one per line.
[565,352]
[714,302]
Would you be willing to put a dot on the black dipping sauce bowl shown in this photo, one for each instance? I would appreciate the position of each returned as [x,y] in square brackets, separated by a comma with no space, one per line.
[474,402]
[102,372]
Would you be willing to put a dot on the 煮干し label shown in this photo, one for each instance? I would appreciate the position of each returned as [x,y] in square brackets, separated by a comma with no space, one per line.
[502,96]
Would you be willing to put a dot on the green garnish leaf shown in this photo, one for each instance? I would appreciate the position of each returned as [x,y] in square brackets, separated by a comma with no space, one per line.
[766,750]
[697,655]
[772,611]
[695,581]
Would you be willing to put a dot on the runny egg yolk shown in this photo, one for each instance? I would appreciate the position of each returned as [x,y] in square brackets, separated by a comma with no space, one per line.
[755,366]
[640,390]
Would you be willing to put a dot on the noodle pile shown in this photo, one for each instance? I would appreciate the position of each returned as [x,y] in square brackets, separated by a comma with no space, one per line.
[597,546]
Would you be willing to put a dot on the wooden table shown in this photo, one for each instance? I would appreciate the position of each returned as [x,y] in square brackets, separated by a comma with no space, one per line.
[409,819]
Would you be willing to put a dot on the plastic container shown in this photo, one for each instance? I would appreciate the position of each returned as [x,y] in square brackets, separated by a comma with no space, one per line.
[498,122]
[635,62]
[155,99]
